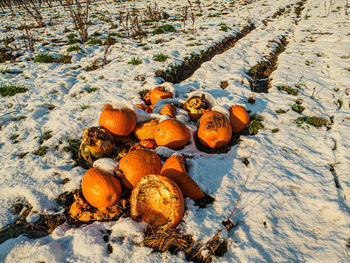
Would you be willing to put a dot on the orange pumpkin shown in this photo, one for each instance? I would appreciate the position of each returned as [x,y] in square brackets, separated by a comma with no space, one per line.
[196,106]
[214,130]
[100,189]
[239,118]
[148,144]
[174,168]
[120,122]
[145,130]
[168,109]
[159,93]
[158,201]
[172,134]
[138,163]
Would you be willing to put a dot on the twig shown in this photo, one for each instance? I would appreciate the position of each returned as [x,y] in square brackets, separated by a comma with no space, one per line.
[9,113]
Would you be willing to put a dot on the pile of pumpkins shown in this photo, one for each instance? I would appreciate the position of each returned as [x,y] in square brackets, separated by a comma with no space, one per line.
[157,191]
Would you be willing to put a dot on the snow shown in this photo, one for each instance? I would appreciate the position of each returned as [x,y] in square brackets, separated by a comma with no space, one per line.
[290,210]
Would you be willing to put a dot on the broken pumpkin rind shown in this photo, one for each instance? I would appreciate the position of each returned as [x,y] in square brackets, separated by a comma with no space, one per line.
[158,201]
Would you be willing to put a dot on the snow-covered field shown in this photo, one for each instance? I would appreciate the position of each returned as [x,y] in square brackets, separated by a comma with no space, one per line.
[296,203]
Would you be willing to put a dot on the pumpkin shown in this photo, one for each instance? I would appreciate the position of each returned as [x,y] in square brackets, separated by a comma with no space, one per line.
[168,109]
[149,109]
[196,106]
[158,201]
[214,130]
[159,93]
[145,130]
[119,121]
[97,142]
[239,118]
[172,134]
[136,164]
[175,169]
[100,189]
[148,144]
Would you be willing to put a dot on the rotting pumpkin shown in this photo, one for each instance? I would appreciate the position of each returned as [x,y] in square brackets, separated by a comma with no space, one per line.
[168,109]
[172,134]
[136,164]
[145,130]
[100,189]
[214,130]
[119,121]
[175,169]
[158,201]
[196,106]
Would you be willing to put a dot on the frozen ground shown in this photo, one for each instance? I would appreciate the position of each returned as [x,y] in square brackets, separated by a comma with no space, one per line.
[296,205]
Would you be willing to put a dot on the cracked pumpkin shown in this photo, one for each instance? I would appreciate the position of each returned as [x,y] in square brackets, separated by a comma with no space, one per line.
[214,130]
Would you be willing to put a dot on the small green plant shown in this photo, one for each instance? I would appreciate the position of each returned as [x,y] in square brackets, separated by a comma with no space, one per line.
[109,41]
[214,15]
[94,41]
[275,130]
[224,27]
[19,118]
[245,161]
[42,150]
[21,155]
[160,57]
[11,89]
[45,136]
[288,89]
[64,59]
[314,121]
[298,108]
[308,62]
[90,89]
[119,35]
[44,58]
[164,29]
[73,147]
[254,125]
[73,48]
[348,69]
[135,61]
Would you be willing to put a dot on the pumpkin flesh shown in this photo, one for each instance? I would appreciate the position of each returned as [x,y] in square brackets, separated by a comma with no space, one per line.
[158,201]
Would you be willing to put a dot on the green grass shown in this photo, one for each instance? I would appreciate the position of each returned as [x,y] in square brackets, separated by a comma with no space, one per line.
[73,48]
[214,15]
[288,89]
[44,58]
[281,111]
[94,41]
[14,137]
[160,57]
[119,35]
[275,130]
[41,151]
[73,147]
[298,108]
[11,89]
[19,118]
[90,89]
[45,136]
[314,121]
[164,29]
[254,125]
[224,27]
[135,61]
[110,41]
[64,59]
